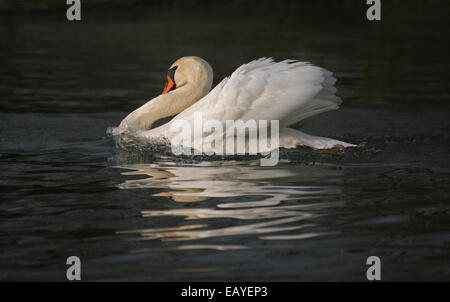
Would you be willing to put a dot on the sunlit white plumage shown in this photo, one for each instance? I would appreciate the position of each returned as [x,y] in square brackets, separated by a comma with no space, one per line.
[287,91]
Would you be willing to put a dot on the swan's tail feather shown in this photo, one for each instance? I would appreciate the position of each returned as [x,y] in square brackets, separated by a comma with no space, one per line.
[324,100]
[291,138]
[313,107]
[329,97]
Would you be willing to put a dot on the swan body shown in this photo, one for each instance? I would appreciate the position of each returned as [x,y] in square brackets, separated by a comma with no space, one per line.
[287,91]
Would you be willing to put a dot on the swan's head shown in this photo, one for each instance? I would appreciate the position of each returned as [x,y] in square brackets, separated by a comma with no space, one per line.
[191,72]
[188,80]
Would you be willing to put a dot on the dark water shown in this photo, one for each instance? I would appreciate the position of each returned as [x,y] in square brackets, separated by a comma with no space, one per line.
[66,190]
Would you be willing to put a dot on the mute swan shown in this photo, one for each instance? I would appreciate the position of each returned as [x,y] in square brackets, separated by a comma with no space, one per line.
[287,91]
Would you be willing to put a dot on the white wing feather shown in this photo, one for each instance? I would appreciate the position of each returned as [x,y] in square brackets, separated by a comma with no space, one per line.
[287,91]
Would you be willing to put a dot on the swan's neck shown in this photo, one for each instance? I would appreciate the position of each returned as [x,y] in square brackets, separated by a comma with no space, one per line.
[165,105]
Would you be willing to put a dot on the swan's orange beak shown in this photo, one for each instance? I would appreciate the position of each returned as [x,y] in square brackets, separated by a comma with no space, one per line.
[170,84]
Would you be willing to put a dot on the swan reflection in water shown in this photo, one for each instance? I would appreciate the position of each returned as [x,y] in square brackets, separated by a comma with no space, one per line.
[267,203]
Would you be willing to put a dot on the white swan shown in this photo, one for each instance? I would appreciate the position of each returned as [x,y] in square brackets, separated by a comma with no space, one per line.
[286,91]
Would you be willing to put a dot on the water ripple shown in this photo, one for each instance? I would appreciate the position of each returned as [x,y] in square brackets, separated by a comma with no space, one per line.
[240,191]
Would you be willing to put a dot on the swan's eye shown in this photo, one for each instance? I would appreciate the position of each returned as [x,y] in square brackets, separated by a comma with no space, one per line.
[170,82]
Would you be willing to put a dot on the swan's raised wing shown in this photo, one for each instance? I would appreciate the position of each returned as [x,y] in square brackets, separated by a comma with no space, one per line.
[287,91]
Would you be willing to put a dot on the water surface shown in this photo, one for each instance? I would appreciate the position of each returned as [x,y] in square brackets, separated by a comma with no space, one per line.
[67,190]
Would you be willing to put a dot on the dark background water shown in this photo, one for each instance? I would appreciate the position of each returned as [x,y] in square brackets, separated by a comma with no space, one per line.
[66,190]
